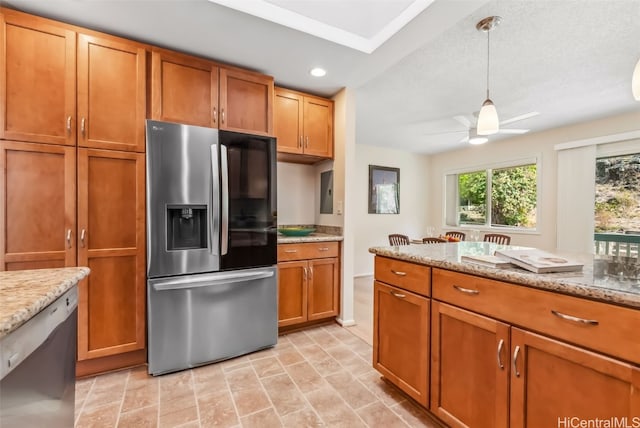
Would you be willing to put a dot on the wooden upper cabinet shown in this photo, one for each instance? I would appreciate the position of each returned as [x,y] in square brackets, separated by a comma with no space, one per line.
[553,382]
[288,121]
[318,127]
[184,89]
[303,125]
[246,102]
[38,209]
[111,241]
[37,80]
[111,94]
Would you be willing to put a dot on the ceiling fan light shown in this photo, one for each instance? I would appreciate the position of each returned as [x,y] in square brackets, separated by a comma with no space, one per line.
[635,82]
[488,122]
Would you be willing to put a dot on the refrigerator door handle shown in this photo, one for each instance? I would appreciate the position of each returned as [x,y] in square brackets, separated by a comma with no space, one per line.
[214,223]
[209,280]
[224,184]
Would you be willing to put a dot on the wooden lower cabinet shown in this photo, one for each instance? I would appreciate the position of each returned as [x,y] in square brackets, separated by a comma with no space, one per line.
[308,282]
[111,215]
[401,339]
[308,290]
[37,206]
[470,368]
[553,382]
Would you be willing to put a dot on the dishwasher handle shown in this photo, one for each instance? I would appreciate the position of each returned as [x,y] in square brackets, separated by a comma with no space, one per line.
[209,280]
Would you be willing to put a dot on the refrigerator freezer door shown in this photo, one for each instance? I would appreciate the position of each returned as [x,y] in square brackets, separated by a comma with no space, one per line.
[183,194]
[198,319]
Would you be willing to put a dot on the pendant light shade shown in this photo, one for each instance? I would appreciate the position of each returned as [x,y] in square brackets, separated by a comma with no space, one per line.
[635,82]
[488,122]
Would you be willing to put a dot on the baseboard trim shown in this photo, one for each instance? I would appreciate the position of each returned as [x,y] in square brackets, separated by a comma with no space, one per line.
[346,323]
[362,275]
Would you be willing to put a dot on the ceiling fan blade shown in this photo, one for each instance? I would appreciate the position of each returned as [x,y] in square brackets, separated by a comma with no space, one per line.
[520,117]
[512,131]
[463,120]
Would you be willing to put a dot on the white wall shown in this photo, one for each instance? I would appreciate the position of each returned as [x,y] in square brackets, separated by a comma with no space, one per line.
[373,229]
[541,143]
[296,200]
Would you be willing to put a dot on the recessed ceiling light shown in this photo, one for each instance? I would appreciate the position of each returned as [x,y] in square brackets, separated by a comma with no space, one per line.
[317,72]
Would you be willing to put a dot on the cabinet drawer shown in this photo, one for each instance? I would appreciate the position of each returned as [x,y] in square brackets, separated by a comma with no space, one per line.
[599,326]
[410,276]
[307,250]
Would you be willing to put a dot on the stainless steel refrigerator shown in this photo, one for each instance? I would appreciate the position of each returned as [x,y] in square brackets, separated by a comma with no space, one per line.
[211,245]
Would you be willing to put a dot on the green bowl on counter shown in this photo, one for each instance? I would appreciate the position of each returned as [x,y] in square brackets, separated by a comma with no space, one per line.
[296,231]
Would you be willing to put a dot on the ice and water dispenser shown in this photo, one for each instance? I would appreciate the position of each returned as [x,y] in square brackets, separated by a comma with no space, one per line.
[186,227]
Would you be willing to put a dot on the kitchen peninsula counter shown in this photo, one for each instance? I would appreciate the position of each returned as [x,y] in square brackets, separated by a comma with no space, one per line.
[24,293]
[604,288]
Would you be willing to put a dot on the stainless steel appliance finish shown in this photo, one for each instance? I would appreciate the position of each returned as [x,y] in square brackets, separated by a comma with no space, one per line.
[37,374]
[209,317]
[211,245]
[181,164]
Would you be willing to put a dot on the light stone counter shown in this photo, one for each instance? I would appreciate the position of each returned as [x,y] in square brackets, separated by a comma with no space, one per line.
[609,288]
[24,293]
[314,237]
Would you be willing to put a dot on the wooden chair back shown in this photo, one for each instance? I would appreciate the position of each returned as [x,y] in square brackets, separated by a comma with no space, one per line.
[433,240]
[497,238]
[398,239]
[459,235]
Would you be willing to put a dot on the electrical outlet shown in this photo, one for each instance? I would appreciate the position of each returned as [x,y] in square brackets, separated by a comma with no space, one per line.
[339,208]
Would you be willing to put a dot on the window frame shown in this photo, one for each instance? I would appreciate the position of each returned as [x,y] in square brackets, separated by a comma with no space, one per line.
[448,197]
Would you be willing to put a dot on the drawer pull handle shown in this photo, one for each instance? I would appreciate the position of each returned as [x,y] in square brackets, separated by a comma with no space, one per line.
[398,295]
[515,361]
[290,251]
[574,319]
[399,273]
[465,290]
[323,249]
[304,273]
[500,345]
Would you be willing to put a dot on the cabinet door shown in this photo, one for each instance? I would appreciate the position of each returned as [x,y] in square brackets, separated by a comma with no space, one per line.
[246,102]
[184,89]
[111,213]
[470,371]
[37,206]
[287,121]
[318,127]
[401,339]
[552,382]
[37,80]
[324,292]
[292,292]
[111,94]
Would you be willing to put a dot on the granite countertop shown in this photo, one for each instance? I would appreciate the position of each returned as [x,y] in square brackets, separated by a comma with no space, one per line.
[24,293]
[602,287]
[314,237]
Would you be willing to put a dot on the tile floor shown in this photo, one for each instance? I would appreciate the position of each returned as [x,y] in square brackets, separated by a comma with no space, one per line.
[312,378]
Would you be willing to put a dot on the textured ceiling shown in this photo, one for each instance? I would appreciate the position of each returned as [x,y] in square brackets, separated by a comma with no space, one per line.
[570,60]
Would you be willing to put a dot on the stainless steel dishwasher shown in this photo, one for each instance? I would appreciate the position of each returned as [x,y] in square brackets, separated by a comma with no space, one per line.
[37,374]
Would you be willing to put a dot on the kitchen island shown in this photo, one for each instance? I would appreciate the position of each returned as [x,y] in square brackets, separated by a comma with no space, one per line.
[486,347]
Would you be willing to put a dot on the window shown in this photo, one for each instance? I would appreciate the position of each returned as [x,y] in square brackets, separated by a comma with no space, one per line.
[617,201]
[497,197]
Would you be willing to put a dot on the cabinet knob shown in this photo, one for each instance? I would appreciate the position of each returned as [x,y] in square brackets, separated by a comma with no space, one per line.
[300,143]
[222,114]
[82,233]
[307,144]
[215,115]
[82,126]
[515,361]
[69,238]
[69,124]
[500,345]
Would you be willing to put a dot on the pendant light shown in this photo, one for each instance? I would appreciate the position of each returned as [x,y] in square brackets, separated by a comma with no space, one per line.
[635,82]
[488,122]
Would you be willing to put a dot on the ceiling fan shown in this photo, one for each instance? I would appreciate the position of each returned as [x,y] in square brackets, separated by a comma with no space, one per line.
[470,127]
